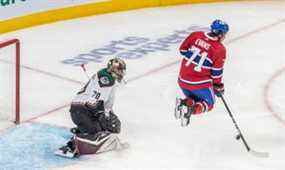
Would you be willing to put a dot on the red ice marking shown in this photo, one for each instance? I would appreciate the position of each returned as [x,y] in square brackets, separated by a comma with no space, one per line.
[46,113]
[266,95]
[44,72]
[48,74]
[258,30]
[36,117]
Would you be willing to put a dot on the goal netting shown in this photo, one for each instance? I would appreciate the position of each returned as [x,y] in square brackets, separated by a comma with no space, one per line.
[9,81]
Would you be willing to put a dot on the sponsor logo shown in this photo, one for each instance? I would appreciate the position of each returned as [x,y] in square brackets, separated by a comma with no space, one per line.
[4,3]
[16,8]
[104,80]
[132,47]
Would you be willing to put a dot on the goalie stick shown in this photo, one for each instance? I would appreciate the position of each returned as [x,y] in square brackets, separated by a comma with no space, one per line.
[84,70]
[240,135]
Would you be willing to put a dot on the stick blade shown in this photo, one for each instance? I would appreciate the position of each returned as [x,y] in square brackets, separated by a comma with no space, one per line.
[259,154]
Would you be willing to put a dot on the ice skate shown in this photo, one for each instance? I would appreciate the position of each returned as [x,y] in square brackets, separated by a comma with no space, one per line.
[67,152]
[178,107]
[186,114]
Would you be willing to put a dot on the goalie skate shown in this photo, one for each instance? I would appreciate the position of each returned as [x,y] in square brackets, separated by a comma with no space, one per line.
[66,152]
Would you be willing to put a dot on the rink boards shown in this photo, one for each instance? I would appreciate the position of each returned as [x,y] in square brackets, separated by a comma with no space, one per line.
[48,16]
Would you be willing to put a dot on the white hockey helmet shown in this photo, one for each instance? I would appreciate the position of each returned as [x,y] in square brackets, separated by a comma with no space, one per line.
[117,68]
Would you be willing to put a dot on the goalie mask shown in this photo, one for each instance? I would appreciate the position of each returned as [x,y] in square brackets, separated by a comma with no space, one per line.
[117,68]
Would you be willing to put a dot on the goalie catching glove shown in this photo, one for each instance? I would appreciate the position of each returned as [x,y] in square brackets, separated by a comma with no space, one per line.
[109,121]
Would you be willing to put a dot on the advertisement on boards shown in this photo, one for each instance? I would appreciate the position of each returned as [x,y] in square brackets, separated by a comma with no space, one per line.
[15,8]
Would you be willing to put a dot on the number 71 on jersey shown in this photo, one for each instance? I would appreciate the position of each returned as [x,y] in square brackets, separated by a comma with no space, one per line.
[196,52]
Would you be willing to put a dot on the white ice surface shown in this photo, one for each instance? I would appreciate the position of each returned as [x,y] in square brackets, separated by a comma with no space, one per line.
[157,142]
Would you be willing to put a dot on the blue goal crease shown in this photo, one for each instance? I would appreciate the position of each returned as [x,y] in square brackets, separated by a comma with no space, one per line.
[31,146]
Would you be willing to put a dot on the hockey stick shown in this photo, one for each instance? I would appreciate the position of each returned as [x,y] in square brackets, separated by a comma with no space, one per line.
[84,70]
[240,135]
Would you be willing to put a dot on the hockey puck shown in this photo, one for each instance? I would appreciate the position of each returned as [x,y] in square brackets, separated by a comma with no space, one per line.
[238,137]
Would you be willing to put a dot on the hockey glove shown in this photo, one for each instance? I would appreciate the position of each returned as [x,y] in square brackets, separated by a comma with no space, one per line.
[114,124]
[110,122]
[219,89]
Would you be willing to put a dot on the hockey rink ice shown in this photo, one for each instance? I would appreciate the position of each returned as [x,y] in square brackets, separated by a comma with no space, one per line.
[148,40]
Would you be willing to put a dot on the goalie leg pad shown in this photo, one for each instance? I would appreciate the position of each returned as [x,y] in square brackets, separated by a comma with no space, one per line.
[101,142]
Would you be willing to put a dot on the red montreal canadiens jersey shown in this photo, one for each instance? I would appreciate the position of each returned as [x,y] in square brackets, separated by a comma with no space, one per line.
[202,63]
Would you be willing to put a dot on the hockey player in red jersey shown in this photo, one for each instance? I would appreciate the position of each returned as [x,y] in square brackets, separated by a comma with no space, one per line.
[201,71]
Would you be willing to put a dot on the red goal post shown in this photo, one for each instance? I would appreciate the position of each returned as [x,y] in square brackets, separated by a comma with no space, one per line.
[16,86]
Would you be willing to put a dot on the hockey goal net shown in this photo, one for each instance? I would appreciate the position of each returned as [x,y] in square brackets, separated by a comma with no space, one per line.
[9,81]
